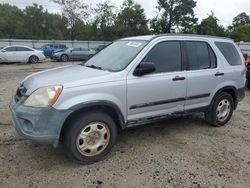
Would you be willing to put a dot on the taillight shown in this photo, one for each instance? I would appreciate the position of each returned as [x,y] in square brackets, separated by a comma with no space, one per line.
[242,57]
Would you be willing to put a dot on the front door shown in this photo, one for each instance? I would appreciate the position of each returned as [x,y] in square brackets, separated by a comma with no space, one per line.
[9,54]
[161,92]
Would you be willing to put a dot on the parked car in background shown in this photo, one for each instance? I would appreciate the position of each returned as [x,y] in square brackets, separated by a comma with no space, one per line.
[134,81]
[19,53]
[49,49]
[247,62]
[100,47]
[73,54]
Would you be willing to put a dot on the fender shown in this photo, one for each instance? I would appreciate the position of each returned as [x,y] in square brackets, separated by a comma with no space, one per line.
[101,103]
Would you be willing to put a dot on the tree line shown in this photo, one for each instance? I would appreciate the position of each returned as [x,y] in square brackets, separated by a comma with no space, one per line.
[79,21]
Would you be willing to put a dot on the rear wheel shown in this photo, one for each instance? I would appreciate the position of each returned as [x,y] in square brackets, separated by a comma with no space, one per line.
[221,111]
[90,137]
[33,59]
[64,58]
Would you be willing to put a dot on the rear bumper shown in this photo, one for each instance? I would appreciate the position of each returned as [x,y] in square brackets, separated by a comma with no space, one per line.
[38,124]
[42,58]
[240,94]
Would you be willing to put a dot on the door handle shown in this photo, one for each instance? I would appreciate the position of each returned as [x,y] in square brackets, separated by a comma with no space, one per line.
[177,78]
[219,74]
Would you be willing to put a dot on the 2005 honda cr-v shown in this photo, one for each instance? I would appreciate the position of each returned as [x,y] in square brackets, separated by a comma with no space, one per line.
[133,81]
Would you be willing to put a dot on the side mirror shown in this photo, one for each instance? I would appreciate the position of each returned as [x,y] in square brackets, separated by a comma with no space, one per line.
[3,50]
[144,68]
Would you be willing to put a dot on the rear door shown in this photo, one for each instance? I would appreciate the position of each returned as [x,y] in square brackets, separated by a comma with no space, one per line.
[23,54]
[85,52]
[76,53]
[161,92]
[203,74]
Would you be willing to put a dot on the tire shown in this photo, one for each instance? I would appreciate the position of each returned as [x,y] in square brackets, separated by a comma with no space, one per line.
[64,58]
[221,110]
[94,132]
[33,59]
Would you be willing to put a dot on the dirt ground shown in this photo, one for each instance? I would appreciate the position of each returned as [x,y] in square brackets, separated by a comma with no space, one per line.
[182,152]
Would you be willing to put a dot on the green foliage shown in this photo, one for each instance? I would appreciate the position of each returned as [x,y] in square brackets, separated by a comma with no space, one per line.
[104,21]
[131,20]
[11,21]
[107,22]
[76,12]
[210,26]
[174,15]
[241,19]
[32,23]
[241,33]
[240,29]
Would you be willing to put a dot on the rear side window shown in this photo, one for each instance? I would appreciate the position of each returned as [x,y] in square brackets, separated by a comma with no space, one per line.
[229,52]
[166,56]
[76,49]
[10,49]
[23,49]
[200,55]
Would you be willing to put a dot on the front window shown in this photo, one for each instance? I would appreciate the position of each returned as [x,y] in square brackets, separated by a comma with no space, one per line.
[10,49]
[166,56]
[117,56]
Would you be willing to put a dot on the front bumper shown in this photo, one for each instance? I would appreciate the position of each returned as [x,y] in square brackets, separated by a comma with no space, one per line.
[55,57]
[38,124]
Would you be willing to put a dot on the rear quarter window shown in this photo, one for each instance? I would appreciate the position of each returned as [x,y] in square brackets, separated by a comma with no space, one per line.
[230,52]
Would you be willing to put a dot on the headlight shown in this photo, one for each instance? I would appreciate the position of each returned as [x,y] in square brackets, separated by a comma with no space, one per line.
[44,97]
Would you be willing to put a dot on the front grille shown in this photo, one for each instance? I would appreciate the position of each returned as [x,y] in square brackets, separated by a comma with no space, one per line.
[20,93]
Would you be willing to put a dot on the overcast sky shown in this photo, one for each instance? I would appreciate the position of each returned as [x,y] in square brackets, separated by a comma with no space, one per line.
[225,10]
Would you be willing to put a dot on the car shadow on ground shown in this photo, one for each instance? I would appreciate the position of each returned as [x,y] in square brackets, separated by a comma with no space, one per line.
[182,124]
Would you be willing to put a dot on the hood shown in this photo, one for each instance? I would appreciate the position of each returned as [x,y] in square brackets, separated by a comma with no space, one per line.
[69,76]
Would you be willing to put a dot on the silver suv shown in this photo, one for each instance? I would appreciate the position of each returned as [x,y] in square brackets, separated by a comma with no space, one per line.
[133,81]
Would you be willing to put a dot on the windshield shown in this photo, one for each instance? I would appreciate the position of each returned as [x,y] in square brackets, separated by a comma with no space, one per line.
[116,56]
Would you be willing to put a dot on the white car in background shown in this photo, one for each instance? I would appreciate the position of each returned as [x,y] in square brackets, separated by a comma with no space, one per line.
[20,53]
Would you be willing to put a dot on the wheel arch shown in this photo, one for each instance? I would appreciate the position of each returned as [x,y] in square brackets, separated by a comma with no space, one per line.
[104,106]
[33,55]
[64,54]
[227,89]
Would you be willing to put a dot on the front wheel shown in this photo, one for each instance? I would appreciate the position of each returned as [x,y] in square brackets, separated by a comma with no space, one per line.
[33,59]
[64,58]
[221,111]
[90,137]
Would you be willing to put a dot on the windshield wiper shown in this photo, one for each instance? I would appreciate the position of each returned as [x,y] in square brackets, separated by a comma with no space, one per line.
[94,67]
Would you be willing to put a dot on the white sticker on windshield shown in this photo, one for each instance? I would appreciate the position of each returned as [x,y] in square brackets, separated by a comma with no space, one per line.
[134,44]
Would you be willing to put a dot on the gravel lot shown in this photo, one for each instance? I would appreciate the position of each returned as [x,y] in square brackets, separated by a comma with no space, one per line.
[181,152]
